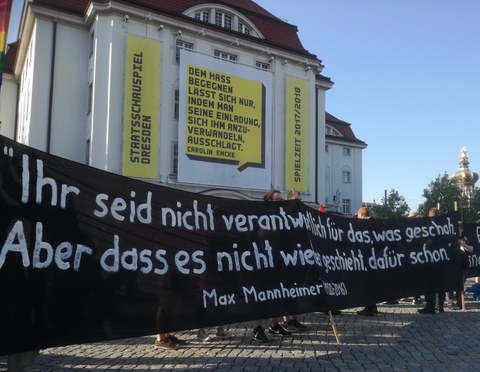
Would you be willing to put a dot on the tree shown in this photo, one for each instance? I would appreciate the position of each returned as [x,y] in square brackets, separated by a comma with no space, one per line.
[442,193]
[395,207]
[470,211]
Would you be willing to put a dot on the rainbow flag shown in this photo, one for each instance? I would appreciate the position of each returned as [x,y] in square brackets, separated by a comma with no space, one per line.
[5,10]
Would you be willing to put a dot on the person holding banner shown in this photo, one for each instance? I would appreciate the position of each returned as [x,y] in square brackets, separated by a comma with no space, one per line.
[368,310]
[417,300]
[430,298]
[290,322]
[466,248]
[165,340]
[477,278]
[275,327]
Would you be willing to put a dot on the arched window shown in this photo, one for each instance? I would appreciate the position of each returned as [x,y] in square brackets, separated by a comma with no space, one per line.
[332,131]
[224,17]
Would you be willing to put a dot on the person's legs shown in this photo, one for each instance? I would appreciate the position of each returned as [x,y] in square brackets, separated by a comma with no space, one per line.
[277,329]
[441,301]
[429,304]
[259,333]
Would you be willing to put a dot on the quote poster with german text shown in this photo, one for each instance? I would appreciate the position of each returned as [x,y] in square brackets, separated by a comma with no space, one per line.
[225,123]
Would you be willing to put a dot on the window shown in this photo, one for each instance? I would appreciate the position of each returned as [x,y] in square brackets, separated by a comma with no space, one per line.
[176,108]
[347,176]
[262,66]
[332,131]
[347,151]
[230,19]
[182,45]
[90,98]
[174,165]
[92,43]
[223,20]
[87,152]
[326,149]
[346,206]
[203,16]
[243,29]
[225,56]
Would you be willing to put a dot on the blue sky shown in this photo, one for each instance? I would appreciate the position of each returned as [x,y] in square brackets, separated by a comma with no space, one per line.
[14,20]
[407,77]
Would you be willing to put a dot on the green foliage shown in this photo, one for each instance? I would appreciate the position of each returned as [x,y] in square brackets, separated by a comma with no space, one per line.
[471,214]
[442,193]
[395,207]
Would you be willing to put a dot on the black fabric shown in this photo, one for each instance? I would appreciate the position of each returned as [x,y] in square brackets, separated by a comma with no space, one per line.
[116,257]
[471,261]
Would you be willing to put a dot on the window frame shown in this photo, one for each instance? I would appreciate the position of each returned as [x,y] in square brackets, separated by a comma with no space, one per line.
[264,66]
[202,15]
[346,206]
[174,160]
[223,19]
[181,44]
[220,54]
[176,104]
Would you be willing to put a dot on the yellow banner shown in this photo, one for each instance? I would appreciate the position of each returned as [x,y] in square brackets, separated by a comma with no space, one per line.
[225,118]
[141,106]
[296,135]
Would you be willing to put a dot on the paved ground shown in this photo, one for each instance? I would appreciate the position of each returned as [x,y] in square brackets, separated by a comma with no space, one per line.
[398,339]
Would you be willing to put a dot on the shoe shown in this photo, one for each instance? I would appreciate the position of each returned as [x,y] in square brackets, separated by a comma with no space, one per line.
[204,336]
[389,302]
[441,309]
[417,301]
[368,311]
[259,334]
[178,340]
[277,329]
[290,328]
[334,312]
[426,310]
[222,334]
[295,324]
[167,343]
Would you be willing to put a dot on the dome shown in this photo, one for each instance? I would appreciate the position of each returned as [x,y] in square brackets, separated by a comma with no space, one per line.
[464,177]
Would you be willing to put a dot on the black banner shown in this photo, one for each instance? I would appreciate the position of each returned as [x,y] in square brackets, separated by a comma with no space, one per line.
[472,233]
[87,255]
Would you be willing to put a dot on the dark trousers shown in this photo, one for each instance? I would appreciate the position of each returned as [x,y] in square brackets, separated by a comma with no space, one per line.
[430,300]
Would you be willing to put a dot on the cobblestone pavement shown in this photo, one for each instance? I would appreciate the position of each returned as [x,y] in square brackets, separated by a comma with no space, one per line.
[398,339]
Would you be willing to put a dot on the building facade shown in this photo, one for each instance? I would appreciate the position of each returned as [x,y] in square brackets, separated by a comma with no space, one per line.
[343,166]
[217,97]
